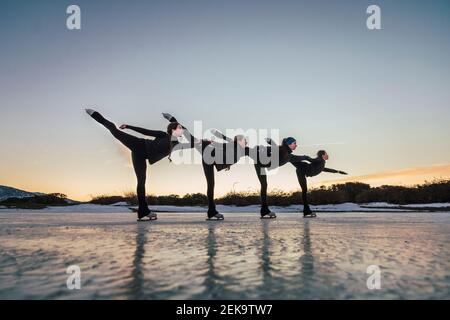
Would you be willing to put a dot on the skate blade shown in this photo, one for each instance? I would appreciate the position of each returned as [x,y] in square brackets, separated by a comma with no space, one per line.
[268,217]
[309,217]
[214,219]
[146,219]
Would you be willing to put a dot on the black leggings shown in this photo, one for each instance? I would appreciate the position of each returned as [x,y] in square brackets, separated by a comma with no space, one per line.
[301,176]
[208,169]
[138,156]
[262,177]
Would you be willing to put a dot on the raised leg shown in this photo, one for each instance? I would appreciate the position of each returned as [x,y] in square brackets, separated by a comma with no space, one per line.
[135,144]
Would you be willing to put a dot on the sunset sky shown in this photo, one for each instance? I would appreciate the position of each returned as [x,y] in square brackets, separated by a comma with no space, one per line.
[377,100]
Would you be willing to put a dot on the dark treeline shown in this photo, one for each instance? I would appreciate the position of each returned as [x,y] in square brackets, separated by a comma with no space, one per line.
[429,192]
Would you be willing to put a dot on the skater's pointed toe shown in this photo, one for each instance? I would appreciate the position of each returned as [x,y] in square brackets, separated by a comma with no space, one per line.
[167,116]
[89,111]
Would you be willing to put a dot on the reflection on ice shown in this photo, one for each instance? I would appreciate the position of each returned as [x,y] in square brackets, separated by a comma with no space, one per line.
[182,256]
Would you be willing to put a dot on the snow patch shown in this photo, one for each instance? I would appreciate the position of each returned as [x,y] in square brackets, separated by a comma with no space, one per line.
[416,205]
[78,208]
[123,207]
[120,204]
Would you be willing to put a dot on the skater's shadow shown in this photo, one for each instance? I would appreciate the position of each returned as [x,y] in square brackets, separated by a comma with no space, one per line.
[267,287]
[265,254]
[137,282]
[307,272]
[213,282]
[298,286]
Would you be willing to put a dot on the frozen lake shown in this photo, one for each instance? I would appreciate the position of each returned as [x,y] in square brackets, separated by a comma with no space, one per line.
[182,256]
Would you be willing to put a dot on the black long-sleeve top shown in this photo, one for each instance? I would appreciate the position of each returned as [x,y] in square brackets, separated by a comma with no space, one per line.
[315,167]
[228,153]
[264,156]
[162,145]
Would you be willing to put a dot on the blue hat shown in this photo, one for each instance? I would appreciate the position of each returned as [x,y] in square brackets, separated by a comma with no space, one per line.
[288,141]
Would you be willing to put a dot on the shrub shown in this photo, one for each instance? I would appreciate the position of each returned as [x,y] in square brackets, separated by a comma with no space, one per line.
[435,191]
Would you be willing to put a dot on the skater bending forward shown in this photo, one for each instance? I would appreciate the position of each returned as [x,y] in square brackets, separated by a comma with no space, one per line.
[143,150]
[218,155]
[304,169]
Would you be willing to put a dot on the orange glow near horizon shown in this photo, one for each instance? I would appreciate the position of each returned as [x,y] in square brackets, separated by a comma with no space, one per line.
[77,191]
[405,177]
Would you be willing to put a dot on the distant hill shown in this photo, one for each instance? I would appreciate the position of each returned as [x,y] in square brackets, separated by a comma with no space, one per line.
[9,192]
[20,199]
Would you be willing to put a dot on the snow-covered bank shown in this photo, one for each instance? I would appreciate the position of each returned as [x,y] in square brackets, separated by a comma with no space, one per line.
[78,208]
[344,207]
[420,205]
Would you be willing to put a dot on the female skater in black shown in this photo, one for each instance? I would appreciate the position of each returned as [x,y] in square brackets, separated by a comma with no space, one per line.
[277,157]
[221,155]
[217,155]
[145,149]
[264,158]
[315,167]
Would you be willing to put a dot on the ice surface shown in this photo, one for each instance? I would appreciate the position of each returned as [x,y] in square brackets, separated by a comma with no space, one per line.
[182,256]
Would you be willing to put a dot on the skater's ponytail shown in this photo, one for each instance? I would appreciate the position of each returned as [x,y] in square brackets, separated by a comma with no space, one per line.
[172,126]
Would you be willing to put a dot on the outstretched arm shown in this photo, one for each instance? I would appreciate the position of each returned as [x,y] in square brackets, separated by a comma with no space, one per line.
[146,132]
[333,171]
[220,135]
